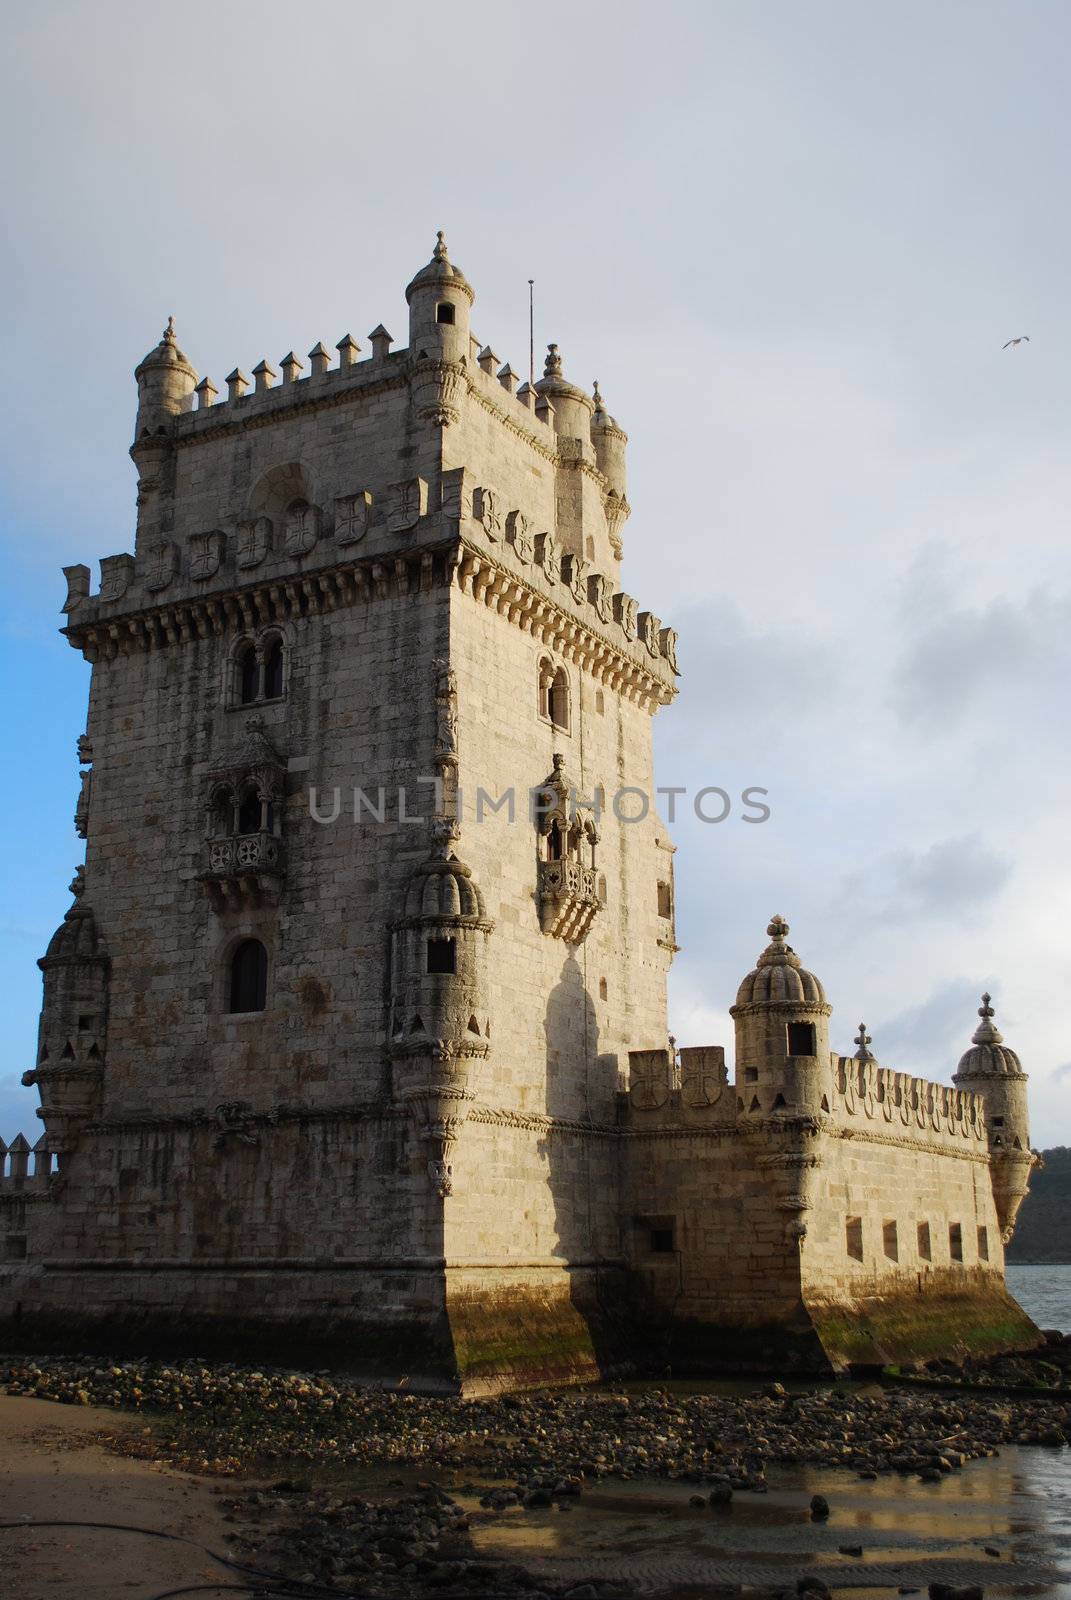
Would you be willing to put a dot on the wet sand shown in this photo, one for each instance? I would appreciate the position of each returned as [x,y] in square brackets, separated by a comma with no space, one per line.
[52,1468]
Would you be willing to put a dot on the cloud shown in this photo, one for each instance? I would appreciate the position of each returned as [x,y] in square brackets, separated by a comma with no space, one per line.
[942,880]
[928,1038]
[1010,657]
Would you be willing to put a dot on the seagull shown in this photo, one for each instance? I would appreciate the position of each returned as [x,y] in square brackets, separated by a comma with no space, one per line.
[1024,338]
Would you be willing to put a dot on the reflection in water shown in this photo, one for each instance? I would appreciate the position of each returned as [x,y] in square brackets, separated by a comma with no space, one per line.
[911,1533]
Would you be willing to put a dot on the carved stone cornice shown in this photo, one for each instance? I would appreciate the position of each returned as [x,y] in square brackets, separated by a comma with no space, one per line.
[490,581]
[252,605]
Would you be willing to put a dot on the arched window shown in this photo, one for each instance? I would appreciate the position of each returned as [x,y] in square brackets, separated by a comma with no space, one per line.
[248,674]
[546,678]
[222,821]
[558,700]
[249,812]
[248,977]
[273,669]
[554,843]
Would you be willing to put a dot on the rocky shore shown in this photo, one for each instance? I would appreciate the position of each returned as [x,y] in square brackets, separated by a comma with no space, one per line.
[414,1459]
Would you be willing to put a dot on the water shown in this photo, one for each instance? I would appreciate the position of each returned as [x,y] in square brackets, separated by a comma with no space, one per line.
[1002,1523]
[1044,1294]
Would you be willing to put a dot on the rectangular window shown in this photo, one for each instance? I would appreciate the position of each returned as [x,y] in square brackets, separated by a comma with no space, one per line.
[15,1247]
[925,1250]
[890,1242]
[801,1040]
[853,1233]
[442,955]
[665,903]
[656,1236]
[983,1244]
[955,1241]
[751,1074]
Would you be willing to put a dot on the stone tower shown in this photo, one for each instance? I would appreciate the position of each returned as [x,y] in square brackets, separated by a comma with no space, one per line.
[368,938]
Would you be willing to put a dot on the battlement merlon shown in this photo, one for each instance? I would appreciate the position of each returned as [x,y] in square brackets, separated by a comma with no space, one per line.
[444,370]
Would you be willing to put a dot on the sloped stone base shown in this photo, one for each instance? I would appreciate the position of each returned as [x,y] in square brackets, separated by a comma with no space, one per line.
[947,1318]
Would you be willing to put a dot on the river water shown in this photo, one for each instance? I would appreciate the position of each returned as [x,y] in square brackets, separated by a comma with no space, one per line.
[1044,1294]
[1004,1523]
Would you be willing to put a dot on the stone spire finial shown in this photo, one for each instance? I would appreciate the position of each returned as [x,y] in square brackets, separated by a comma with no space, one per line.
[169,331]
[439,253]
[777,952]
[552,367]
[863,1040]
[987,1031]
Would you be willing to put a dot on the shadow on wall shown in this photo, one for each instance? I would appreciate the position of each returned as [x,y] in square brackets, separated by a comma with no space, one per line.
[582,1167]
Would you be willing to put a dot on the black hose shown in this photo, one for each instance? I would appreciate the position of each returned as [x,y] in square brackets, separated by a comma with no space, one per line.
[307,1591]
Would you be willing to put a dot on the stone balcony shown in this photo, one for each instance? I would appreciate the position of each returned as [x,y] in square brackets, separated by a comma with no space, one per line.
[568,899]
[244,867]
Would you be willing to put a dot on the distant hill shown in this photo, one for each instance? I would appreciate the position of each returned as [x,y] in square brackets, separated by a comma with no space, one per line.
[1043,1231]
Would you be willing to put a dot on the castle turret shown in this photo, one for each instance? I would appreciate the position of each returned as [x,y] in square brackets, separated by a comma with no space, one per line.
[992,1070]
[439,298]
[573,409]
[166,385]
[609,441]
[439,1003]
[74,1019]
[782,1032]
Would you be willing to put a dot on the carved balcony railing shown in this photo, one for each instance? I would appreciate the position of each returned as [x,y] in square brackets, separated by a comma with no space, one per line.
[568,899]
[243,867]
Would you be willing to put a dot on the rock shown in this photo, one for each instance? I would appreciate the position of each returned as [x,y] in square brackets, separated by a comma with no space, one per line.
[819,1508]
[855,1550]
[948,1591]
[812,1585]
[697,1501]
[720,1495]
[537,1497]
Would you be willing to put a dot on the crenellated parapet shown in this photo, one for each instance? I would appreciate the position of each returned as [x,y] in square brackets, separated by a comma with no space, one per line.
[869,1097]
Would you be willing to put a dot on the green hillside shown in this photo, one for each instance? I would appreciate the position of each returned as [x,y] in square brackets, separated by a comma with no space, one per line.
[1043,1231]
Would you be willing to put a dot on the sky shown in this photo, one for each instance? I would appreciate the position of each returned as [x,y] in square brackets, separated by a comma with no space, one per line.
[790,239]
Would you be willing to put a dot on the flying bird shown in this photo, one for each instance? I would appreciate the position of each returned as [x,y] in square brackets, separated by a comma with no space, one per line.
[1024,338]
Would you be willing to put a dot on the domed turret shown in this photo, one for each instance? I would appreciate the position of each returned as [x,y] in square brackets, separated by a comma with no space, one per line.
[74,1018]
[439,299]
[440,1024]
[166,383]
[782,1031]
[573,409]
[988,1055]
[991,1069]
[609,441]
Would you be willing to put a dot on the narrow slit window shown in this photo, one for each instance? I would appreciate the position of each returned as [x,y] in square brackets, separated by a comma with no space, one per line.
[924,1246]
[853,1237]
[983,1244]
[955,1241]
[889,1241]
